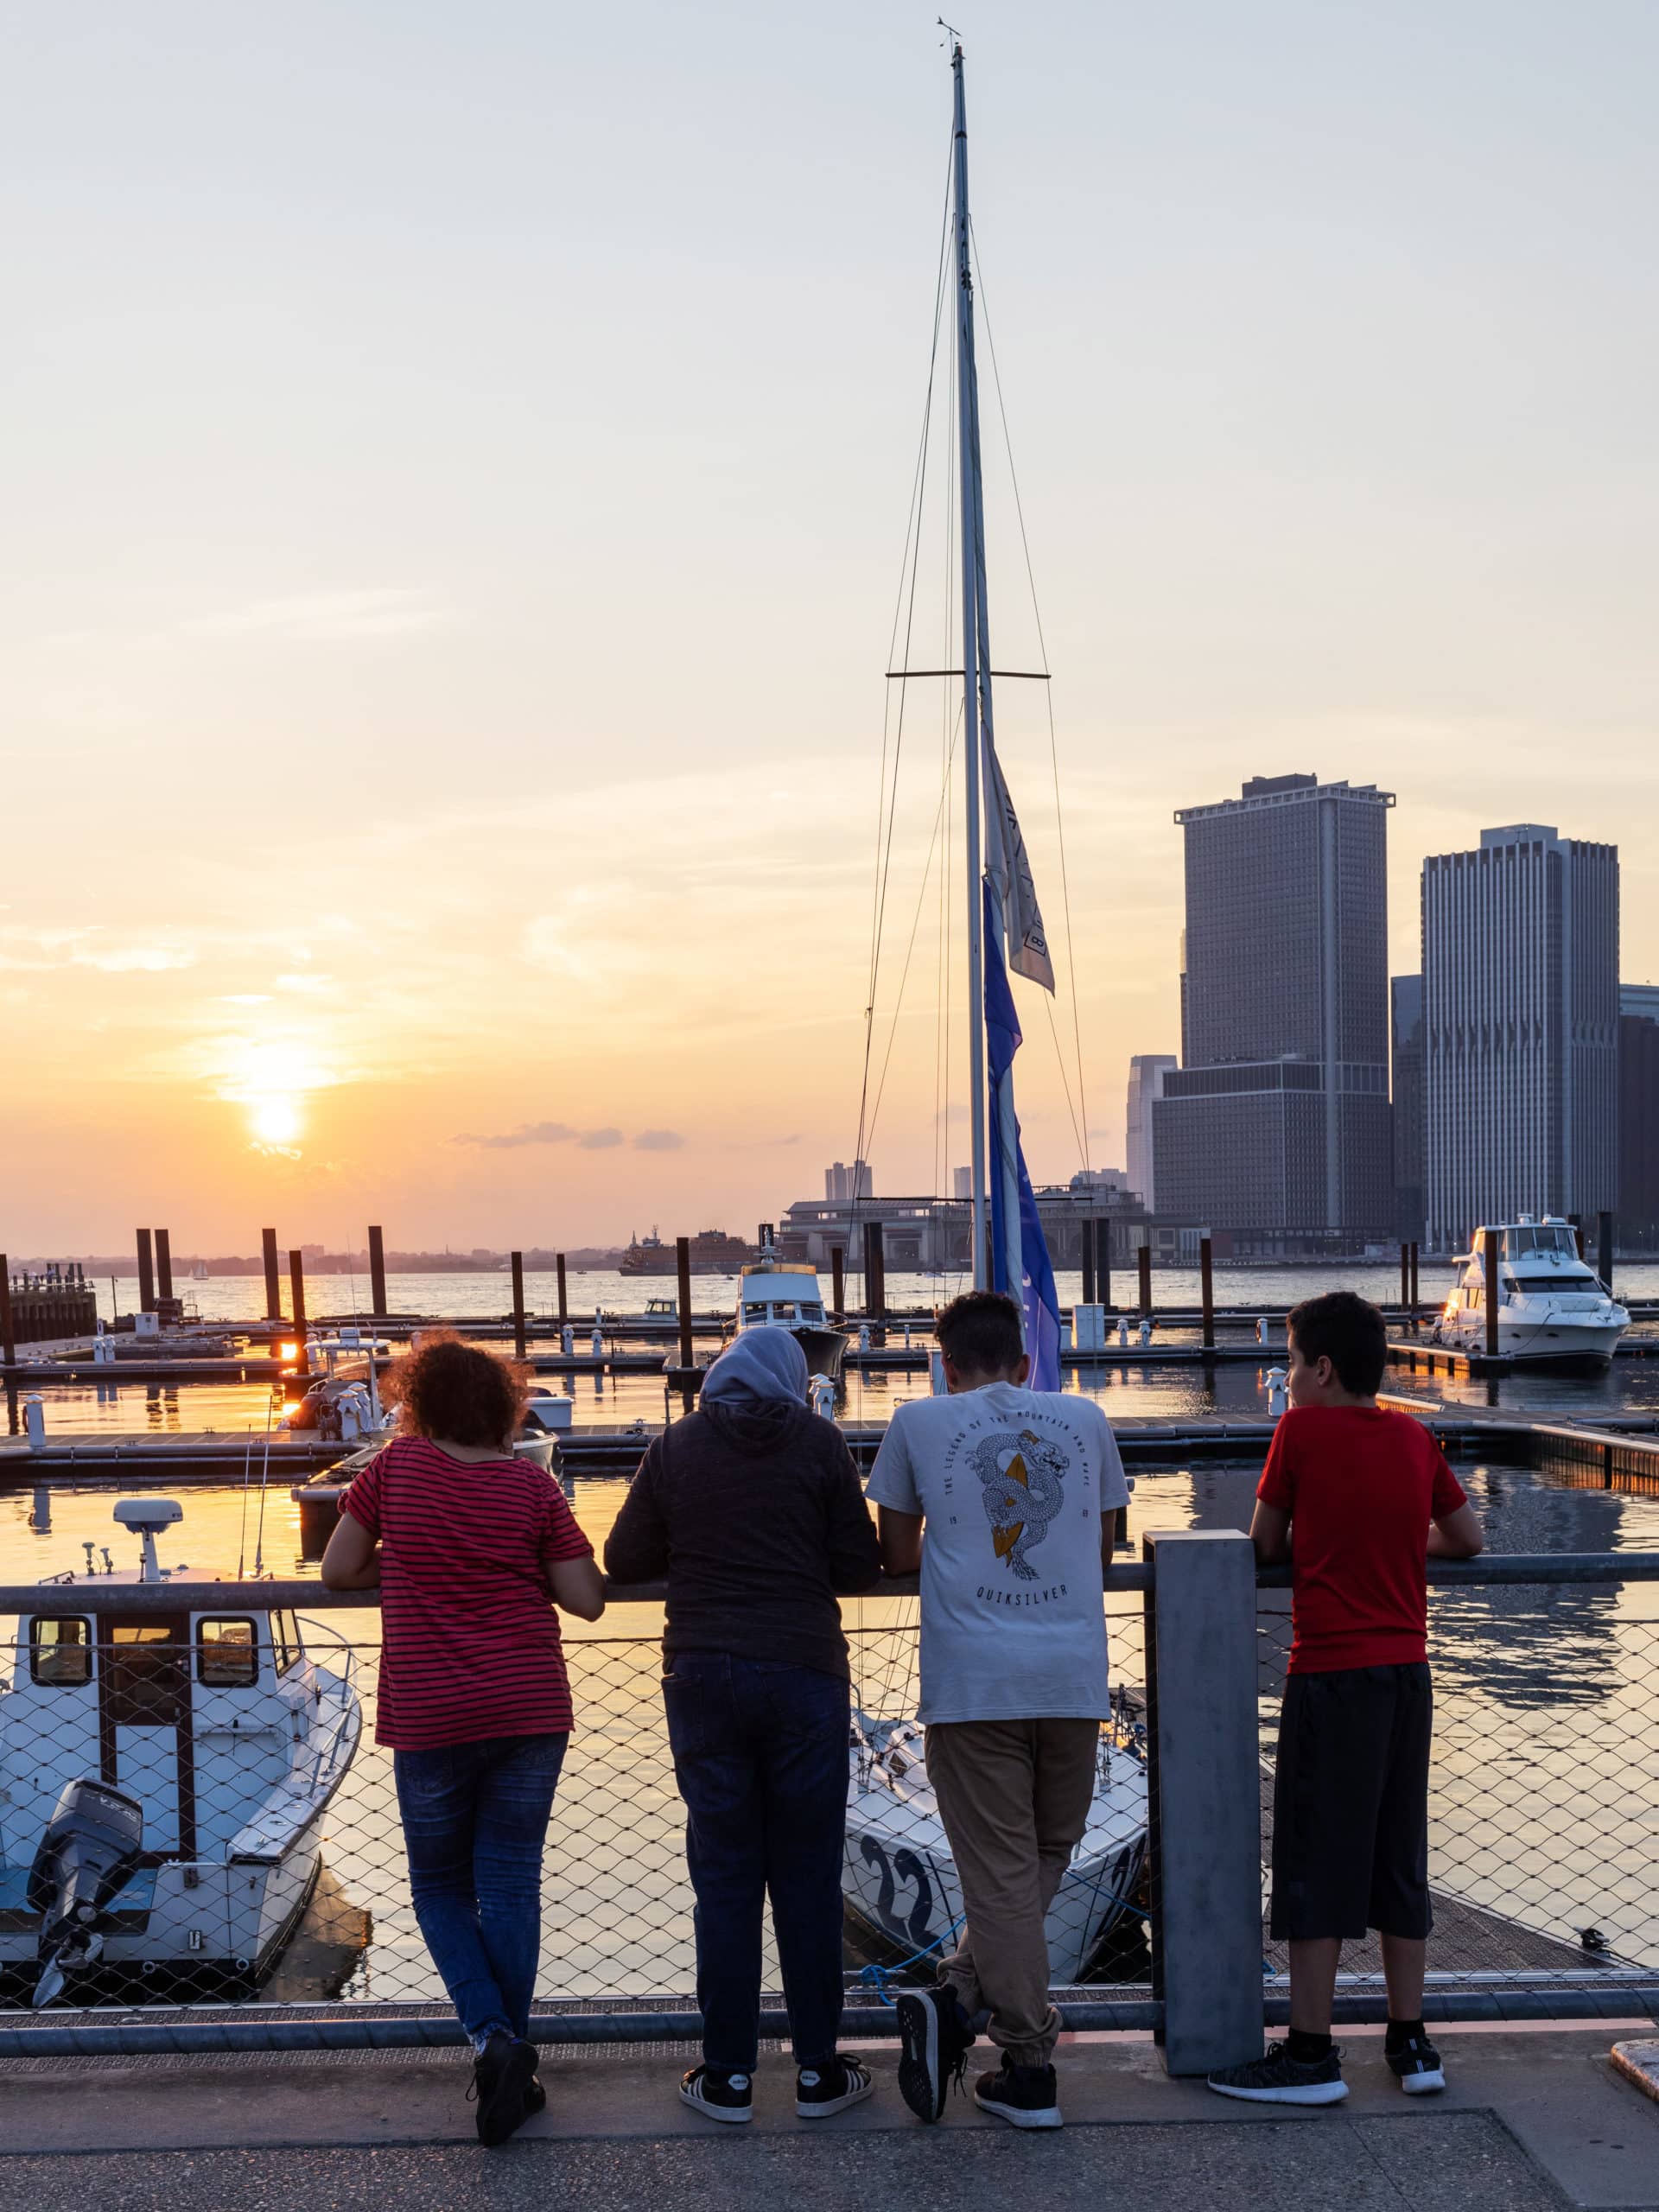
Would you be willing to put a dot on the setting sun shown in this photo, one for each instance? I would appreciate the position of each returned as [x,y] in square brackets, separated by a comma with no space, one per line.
[274,1121]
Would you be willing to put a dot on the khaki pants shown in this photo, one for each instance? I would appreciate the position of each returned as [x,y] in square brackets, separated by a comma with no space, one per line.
[1013,1796]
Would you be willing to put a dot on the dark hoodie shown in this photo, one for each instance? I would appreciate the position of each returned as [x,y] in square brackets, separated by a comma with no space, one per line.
[755,1515]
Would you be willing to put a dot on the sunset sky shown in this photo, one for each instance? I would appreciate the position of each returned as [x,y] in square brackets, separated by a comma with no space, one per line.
[453,486]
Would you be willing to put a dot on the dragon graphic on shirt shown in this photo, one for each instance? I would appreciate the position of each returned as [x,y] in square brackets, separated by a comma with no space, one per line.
[1022,1483]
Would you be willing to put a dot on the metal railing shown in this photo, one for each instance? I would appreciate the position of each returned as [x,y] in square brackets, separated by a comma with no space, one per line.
[276,1906]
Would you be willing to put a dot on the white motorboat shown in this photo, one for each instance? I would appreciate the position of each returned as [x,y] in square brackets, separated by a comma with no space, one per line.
[188,1755]
[1552,1306]
[774,1293]
[898,1881]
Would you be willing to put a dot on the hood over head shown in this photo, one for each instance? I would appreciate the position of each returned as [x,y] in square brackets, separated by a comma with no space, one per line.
[755,1392]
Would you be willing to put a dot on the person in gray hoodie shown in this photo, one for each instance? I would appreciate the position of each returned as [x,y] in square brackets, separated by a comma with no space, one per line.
[752,1509]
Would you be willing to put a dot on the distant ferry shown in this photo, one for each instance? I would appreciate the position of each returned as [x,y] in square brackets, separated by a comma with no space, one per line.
[1551,1305]
[713,1253]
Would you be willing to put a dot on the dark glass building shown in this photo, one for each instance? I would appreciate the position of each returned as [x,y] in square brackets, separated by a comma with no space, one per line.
[1406,1011]
[1638,1116]
[1276,1125]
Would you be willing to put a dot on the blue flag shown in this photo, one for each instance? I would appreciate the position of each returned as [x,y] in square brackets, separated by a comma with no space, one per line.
[1020,1261]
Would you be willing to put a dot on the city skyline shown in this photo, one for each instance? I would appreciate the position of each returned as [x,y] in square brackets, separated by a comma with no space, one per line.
[438,756]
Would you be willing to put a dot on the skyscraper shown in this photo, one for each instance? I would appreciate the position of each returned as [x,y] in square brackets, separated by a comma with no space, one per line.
[1147,1072]
[842,1184]
[1520,1030]
[1638,1116]
[1277,1121]
[1406,1043]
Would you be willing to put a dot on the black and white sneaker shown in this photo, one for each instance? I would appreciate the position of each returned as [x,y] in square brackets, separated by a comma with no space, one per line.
[1025,2096]
[502,2074]
[820,2090]
[1416,2066]
[936,2048]
[721,2096]
[1279,2079]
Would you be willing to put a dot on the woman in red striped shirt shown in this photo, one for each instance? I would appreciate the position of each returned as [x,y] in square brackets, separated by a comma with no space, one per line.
[469,1544]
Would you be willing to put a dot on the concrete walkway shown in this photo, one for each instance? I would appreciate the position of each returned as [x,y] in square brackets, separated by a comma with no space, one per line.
[1532,2122]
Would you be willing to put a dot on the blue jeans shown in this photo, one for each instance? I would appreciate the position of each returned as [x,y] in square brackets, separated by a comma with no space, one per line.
[761,1756]
[474,1825]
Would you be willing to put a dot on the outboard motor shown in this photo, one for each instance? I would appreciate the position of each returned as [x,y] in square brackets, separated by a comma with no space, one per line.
[90,1849]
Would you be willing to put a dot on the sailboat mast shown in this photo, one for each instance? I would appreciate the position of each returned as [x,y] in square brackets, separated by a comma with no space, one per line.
[971,510]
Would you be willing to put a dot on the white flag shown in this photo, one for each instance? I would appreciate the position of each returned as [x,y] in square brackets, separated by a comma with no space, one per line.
[1009,865]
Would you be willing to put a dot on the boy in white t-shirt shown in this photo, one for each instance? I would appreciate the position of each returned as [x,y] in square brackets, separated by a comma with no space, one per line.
[1014,1488]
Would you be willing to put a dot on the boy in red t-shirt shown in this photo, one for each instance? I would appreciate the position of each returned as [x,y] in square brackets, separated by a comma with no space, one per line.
[1357,1499]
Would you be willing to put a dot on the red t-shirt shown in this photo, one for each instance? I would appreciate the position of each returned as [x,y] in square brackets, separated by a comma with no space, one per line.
[1361,1486]
[471,1642]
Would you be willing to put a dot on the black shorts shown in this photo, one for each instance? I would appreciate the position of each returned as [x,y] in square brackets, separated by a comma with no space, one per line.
[1350,1804]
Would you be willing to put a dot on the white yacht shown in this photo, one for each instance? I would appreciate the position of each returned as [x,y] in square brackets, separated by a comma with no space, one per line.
[899,1880]
[774,1293]
[1553,1306]
[163,1778]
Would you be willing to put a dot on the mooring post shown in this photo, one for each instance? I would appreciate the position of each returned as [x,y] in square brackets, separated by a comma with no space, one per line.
[1489,1258]
[377,1276]
[1414,1283]
[1103,1265]
[838,1281]
[163,1264]
[1605,1247]
[146,1275]
[1576,1222]
[559,1264]
[1145,1259]
[517,1259]
[683,1270]
[296,1293]
[875,1278]
[1207,1290]
[1086,1241]
[8,1344]
[1204,1791]
[273,1278]
[1405,1274]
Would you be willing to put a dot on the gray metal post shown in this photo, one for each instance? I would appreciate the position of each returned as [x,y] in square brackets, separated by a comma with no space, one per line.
[1207,1808]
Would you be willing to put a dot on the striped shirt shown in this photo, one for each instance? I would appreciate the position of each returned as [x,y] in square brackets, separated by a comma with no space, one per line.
[471,1644]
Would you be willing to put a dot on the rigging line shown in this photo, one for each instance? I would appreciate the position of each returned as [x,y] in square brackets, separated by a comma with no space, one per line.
[1042,647]
[921,900]
[912,536]
[1065,1081]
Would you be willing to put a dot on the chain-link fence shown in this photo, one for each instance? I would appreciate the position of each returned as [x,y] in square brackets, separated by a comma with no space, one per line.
[1543,1807]
[267,1863]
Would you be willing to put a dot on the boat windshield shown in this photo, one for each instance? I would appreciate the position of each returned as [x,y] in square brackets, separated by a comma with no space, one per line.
[1546,1240]
[1536,1278]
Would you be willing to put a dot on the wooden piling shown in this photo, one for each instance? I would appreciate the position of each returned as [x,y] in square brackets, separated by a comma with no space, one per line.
[296,1293]
[1103,1264]
[377,1276]
[838,1281]
[273,1278]
[7,1344]
[517,1259]
[1207,1291]
[1087,1240]
[146,1274]
[1405,1274]
[1413,1301]
[682,1271]
[1489,1256]
[564,1312]
[163,1264]
[1144,1257]
[1576,1223]
[875,1277]
[1605,1247]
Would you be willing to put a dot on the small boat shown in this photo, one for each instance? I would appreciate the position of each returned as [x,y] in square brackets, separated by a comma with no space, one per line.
[163,1778]
[198,1271]
[774,1293]
[898,1881]
[1552,1308]
[547,1416]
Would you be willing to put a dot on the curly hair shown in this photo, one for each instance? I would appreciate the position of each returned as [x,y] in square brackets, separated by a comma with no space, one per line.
[454,1391]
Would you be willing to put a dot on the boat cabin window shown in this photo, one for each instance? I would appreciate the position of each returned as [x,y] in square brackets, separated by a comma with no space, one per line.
[811,1312]
[61,1653]
[228,1655]
[754,1313]
[285,1646]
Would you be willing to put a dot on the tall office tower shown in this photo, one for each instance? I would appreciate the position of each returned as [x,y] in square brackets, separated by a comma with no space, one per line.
[842,1184]
[1405,1039]
[1147,1072]
[1276,1122]
[1638,1116]
[1520,1031]
[962,1182]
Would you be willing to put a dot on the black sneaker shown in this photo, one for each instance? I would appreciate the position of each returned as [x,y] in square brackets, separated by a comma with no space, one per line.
[502,2074]
[1025,2096]
[1416,2066]
[820,2090]
[535,2095]
[1279,2079]
[721,2095]
[936,2048]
